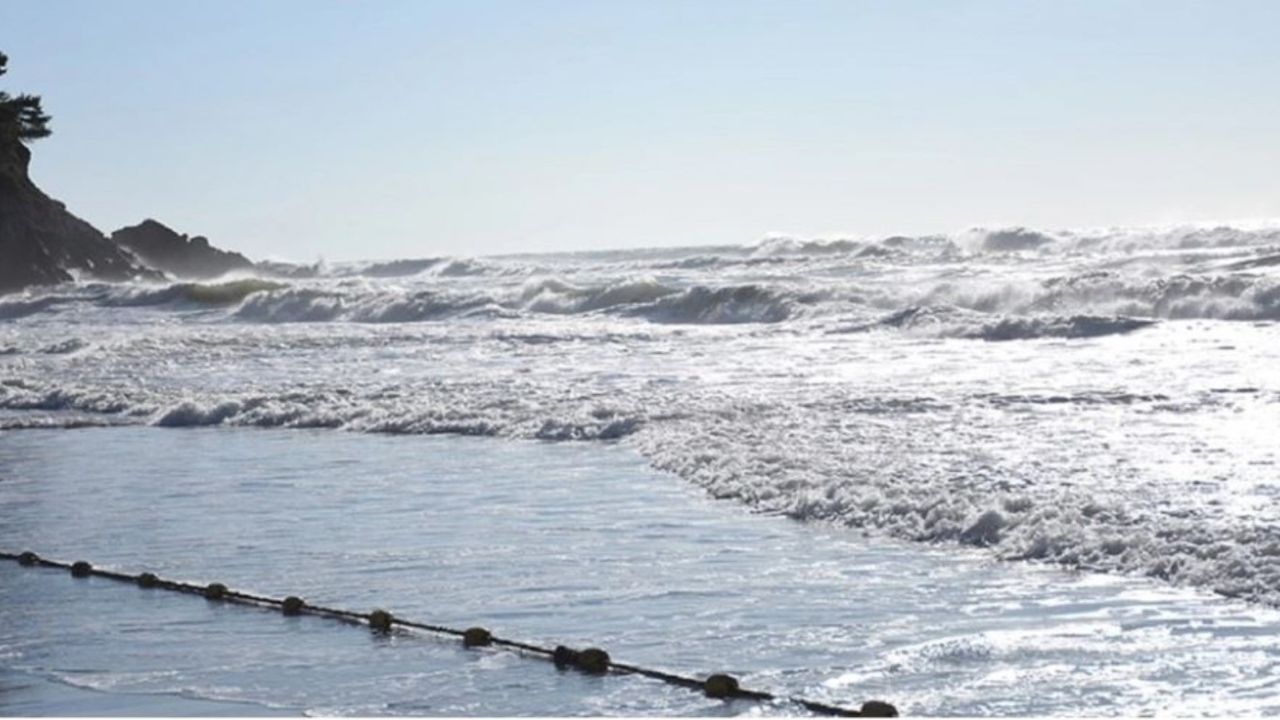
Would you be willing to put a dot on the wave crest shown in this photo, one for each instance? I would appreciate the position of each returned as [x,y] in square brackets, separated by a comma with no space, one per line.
[952,322]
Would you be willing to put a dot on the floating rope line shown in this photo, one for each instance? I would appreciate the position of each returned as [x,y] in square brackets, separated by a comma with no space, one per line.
[590,660]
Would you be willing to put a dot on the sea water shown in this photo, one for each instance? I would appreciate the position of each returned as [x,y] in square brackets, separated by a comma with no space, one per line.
[556,543]
[1001,471]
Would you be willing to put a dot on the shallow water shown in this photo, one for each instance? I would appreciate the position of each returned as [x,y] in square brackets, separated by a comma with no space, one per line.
[557,543]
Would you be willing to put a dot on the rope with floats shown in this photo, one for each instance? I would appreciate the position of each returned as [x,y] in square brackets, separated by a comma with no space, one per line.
[592,661]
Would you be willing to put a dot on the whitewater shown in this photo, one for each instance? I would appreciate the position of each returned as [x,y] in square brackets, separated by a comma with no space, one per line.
[1016,452]
[1103,399]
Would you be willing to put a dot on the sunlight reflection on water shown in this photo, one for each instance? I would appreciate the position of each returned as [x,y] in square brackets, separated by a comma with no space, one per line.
[557,543]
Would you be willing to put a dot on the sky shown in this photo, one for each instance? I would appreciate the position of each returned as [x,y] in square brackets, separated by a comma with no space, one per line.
[354,130]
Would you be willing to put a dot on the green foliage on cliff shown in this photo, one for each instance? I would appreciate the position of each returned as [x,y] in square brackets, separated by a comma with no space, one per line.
[21,117]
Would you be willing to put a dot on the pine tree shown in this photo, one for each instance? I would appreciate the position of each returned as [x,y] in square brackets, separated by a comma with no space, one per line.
[21,117]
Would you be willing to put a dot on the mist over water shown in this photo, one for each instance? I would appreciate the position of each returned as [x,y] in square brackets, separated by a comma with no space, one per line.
[1097,399]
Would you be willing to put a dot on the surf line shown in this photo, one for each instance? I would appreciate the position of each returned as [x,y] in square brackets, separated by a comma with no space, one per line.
[590,660]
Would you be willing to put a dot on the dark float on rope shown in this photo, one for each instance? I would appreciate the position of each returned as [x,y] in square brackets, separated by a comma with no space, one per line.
[720,686]
[878,709]
[591,660]
[476,637]
[563,657]
[380,620]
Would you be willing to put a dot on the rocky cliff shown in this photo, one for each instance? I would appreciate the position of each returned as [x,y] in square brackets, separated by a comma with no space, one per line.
[41,243]
[163,249]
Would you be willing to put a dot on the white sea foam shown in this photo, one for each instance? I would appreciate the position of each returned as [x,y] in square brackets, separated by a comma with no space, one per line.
[1122,423]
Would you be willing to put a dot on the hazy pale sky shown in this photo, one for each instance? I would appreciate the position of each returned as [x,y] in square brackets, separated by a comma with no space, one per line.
[403,129]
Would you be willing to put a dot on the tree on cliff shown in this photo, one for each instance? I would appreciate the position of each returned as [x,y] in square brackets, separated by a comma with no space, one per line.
[40,242]
[21,117]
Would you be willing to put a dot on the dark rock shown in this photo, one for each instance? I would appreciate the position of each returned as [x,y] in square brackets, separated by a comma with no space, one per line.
[43,244]
[163,249]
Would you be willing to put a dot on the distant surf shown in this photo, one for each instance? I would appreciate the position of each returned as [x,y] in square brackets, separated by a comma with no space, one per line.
[1089,398]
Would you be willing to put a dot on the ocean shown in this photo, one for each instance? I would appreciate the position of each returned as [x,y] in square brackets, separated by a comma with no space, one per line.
[997,472]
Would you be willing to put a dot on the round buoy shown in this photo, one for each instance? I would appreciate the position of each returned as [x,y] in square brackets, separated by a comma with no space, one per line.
[81,569]
[28,558]
[380,620]
[476,637]
[594,661]
[215,591]
[292,605]
[564,657]
[720,686]
[877,708]
[148,580]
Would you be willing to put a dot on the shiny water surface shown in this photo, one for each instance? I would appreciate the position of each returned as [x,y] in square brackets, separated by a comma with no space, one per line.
[552,543]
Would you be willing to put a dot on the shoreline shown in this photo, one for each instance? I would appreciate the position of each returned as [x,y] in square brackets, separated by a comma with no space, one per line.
[24,693]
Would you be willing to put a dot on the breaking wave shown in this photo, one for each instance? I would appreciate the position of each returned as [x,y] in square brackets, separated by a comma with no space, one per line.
[958,323]
[1117,240]
[901,466]
[1176,297]
[801,377]
[743,304]
[14,309]
[645,299]
[198,294]
[1218,272]
[1085,305]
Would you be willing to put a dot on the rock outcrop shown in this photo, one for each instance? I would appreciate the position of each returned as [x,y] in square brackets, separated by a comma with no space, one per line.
[163,249]
[41,243]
